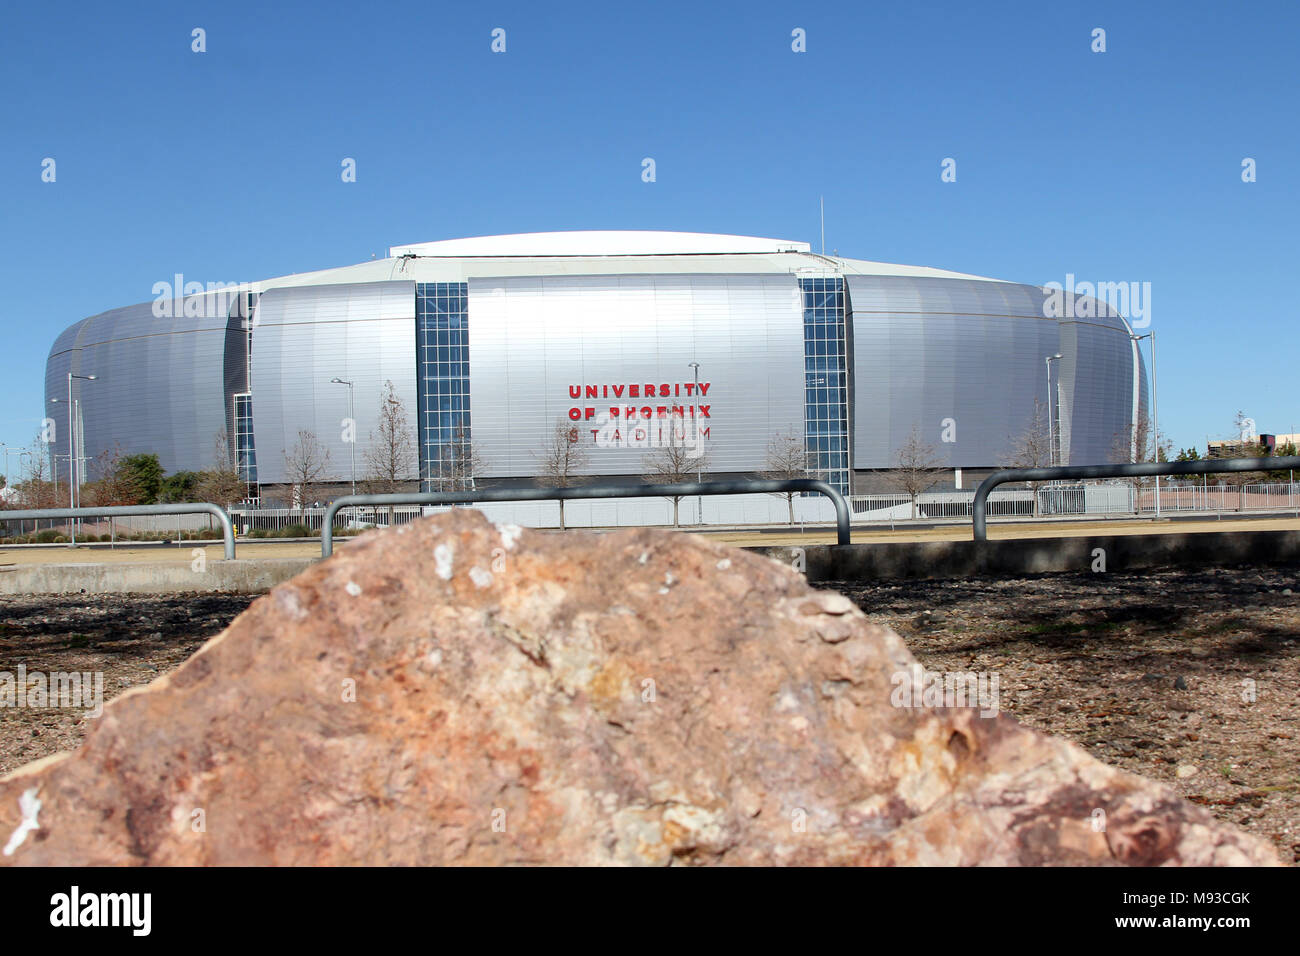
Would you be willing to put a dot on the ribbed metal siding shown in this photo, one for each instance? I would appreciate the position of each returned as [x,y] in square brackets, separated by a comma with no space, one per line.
[926,350]
[531,338]
[305,336]
[159,385]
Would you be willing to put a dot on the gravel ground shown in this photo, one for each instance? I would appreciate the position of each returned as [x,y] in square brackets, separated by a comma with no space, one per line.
[130,638]
[1145,671]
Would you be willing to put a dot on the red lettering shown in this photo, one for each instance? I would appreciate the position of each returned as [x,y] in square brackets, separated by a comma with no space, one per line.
[575,413]
[593,391]
[704,410]
[618,391]
[575,391]
[633,391]
[646,411]
[590,412]
[704,388]
[664,391]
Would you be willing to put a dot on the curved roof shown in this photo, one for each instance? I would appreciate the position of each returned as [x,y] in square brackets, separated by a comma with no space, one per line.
[576,253]
[599,243]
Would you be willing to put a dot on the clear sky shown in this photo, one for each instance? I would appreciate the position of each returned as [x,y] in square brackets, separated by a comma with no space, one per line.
[1122,166]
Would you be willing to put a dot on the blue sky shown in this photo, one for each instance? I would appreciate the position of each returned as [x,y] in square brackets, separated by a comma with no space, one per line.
[225,166]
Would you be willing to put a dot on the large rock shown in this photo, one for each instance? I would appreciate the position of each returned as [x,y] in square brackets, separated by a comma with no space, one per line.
[459,692]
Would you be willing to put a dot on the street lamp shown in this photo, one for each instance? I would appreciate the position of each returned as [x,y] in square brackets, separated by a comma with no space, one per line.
[72,456]
[353,420]
[1051,440]
[1155,405]
[699,468]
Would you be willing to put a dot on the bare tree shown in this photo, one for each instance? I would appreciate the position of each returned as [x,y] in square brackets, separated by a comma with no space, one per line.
[304,465]
[456,463]
[561,460]
[675,462]
[1137,443]
[111,485]
[221,484]
[787,458]
[1244,442]
[390,457]
[36,490]
[1032,448]
[917,467]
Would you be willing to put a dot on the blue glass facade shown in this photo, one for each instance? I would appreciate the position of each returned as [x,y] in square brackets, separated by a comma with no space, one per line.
[245,452]
[826,396]
[442,385]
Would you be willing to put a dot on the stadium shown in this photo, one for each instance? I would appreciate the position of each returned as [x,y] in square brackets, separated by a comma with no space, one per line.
[490,342]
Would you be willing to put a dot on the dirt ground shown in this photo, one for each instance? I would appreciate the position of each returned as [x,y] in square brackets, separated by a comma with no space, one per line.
[1144,670]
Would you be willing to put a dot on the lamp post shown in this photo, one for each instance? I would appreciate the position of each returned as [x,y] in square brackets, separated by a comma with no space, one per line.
[1155,405]
[353,420]
[72,456]
[699,469]
[1051,440]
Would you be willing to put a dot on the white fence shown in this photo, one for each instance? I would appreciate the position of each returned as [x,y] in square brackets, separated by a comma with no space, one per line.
[1108,498]
[1206,497]
[695,510]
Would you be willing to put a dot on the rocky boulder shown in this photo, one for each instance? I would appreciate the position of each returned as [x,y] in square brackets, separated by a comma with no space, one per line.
[458,692]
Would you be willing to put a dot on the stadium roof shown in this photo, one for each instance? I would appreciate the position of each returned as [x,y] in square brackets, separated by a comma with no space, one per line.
[602,243]
[600,253]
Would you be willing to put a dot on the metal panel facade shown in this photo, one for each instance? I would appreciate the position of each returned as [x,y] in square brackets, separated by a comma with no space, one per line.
[158,384]
[533,339]
[927,350]
[305,336]
[923,349]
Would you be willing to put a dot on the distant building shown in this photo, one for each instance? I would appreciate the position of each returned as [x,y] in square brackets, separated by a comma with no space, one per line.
[496,339]
[1253,447]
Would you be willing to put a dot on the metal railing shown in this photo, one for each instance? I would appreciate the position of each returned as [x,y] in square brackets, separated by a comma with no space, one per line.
[689,489]
[122,511]
[1146,469]
[249,520]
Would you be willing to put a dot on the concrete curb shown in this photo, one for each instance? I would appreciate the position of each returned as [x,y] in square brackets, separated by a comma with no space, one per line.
[1019,556]
[857,562]
[243,575]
